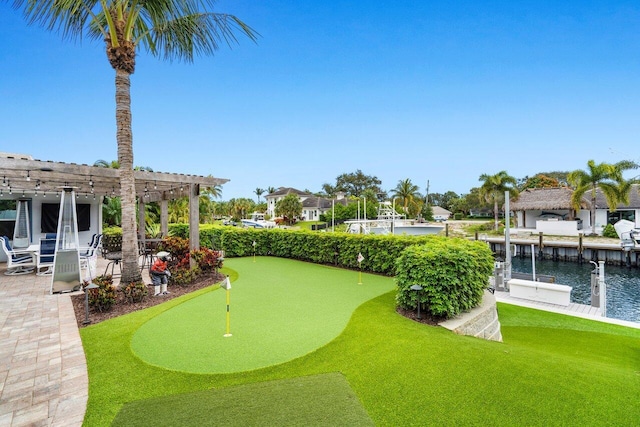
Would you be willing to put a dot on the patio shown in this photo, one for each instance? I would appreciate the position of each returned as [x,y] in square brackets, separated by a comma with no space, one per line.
[43,371]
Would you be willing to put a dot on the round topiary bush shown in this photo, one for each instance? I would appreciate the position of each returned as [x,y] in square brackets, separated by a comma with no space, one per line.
[452,272]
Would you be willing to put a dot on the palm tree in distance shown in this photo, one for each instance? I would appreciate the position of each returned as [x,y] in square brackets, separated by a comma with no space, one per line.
[177,29]
[607,177]
[407,192]
[493,189]
[258,192]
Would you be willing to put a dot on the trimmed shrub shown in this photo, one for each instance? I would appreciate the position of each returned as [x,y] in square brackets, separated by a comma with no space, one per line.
[103,298]
[207,259]
[458,216]
[135,292]
[452,272]
[609,231]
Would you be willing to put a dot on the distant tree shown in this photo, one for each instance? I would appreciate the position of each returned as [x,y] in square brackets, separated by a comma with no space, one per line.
[493,189]
[240,208]
[258,192]
[445,200]
[539,181]
[111,211]
[407,192]
[290,207]
[354,184]
[607,177]
[427,212]
[271,190]
[214,192]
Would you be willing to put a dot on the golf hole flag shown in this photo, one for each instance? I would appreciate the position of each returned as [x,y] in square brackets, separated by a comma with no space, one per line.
[360,259]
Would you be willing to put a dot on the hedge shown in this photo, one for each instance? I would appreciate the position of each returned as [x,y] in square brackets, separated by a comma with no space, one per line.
[380,252]
[452,272]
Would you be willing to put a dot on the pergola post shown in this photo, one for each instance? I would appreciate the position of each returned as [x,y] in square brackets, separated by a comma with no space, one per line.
[141,214]
[164,217]
[194,219]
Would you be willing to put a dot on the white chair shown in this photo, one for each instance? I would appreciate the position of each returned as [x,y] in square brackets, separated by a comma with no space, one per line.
[18,261]
[46,256]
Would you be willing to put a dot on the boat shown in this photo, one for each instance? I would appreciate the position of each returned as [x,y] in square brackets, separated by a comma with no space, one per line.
[389,221]
[258,220]
[628,233]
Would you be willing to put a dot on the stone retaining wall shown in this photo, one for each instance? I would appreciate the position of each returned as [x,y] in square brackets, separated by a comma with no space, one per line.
[480,322]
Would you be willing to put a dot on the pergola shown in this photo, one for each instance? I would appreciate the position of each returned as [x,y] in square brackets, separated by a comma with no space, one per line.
[21,174]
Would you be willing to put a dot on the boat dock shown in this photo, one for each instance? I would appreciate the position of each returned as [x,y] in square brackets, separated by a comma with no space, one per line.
[576,310]
[580,250]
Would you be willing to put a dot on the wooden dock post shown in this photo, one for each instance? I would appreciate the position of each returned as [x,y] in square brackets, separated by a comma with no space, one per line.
[580,249]
[540,247]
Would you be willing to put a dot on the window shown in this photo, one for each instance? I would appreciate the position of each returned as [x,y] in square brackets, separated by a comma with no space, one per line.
[50,212]
[613,217]
[7,217]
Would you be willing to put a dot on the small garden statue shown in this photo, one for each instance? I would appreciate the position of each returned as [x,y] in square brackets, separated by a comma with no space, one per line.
[160,274]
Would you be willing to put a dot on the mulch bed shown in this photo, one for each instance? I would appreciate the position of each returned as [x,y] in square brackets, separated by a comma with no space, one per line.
[426,318]
[122,306]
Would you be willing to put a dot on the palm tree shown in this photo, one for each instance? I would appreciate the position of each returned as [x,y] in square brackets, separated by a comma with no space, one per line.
[607,177]
[407,192]
[258,192]
[177,29]
[493,189]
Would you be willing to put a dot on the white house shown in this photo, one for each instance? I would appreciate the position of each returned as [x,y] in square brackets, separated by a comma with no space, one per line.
[440,214]
[312,206]
[549,210]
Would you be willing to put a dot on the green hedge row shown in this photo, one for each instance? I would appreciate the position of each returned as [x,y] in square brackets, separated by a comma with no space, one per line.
[380,252]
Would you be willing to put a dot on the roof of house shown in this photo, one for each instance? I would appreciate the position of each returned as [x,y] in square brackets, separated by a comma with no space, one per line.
[634,199]
[545,199]
[284,191]
[437,210]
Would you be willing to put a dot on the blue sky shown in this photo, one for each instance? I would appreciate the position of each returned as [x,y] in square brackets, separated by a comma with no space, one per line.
[417,89]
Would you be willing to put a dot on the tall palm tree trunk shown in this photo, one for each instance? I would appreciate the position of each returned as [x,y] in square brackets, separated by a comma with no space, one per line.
[130,269]
[495,212]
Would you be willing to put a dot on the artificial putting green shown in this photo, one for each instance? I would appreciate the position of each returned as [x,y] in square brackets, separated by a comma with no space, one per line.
[280,310]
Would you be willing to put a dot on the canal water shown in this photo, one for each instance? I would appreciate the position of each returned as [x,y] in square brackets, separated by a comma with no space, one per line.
[623,284]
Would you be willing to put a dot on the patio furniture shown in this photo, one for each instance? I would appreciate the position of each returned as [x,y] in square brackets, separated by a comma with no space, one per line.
[148,249]
[112,251]
[18,261]
[45,256]
[90,252]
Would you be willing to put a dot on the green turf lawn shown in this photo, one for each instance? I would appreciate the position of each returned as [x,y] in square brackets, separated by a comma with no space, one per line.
[550,370]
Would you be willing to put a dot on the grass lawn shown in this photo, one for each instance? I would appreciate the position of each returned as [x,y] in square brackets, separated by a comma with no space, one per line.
[550,370]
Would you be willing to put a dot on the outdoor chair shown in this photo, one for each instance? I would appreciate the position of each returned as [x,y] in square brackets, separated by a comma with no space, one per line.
[46,256]
[18,261]
[90,252]
[112,251]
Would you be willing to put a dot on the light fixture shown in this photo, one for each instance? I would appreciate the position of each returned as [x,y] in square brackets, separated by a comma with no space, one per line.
[37,184]
[90,180]
[35,193]
[10,191]
[1,192]
[44,195]
[22,193]
[28,176]
[4,181]
[155,185]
